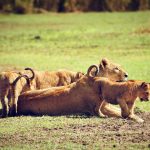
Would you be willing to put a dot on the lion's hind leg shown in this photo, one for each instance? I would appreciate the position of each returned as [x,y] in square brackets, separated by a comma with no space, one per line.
[98,111]
[110,111]
[5,107]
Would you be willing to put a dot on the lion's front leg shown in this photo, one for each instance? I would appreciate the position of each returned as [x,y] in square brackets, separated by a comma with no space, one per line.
[136,118]
[131,106]
[132,116]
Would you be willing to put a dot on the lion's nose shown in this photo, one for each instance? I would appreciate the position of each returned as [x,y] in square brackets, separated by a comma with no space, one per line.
[126,75]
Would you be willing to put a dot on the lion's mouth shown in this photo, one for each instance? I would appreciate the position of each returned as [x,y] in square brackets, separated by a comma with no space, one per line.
[144,99]
[119,81]
[124,80]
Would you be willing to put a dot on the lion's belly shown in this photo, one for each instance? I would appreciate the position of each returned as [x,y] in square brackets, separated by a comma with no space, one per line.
[111,101]
[51,106]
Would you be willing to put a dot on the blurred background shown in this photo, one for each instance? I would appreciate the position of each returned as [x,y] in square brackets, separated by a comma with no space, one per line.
[74,34]
[39,6]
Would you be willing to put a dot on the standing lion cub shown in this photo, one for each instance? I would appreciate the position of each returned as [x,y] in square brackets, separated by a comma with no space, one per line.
[124,94]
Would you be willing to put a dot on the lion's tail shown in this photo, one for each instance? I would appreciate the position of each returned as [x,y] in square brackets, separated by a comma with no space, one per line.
[33,73]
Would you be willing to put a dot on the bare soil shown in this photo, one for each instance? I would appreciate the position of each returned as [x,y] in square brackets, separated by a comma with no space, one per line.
[109,133]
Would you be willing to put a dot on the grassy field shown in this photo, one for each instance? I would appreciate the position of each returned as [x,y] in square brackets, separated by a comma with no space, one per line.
[72,41]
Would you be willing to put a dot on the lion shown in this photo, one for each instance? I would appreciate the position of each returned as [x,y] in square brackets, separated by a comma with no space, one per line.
[12,85]
[16,88]
[80,97]
[60,78]
[112,71]
[45,79]
[124,94]
[9,90]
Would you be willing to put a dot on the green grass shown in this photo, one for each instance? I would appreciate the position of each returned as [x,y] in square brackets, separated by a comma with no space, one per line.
[71,41]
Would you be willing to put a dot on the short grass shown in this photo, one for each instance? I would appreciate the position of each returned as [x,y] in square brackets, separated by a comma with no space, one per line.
[71,41]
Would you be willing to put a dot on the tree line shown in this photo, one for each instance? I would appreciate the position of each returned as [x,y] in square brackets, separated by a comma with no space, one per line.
[39,6]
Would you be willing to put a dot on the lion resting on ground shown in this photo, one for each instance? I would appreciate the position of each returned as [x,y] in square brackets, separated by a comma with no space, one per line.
[57,78]
[124,94]
[45,79]
[12,85]
[41,80]
[82,96]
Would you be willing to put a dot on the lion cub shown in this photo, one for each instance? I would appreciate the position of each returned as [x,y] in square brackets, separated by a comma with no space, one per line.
[124,94]
[12,83]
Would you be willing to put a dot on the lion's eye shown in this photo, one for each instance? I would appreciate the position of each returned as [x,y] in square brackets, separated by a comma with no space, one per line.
[116,69]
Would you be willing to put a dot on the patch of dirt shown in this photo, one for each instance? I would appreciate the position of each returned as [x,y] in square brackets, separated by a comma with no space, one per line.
[118,129]
[108,133]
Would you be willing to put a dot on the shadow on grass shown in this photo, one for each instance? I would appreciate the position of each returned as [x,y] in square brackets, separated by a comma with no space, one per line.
[137,111]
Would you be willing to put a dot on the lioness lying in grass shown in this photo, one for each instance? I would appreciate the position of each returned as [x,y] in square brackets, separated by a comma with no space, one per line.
[82,96]
[87,95]
[45,79]
[124,94]
[79,97]
[12,85]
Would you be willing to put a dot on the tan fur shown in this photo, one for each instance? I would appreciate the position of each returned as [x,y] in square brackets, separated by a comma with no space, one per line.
[79,97]
[82,96]
[16,88]
[59,78]
[112,71]
[124,94]
[107,69]
[64,77]
[45,79]
[8,96]
[6,78]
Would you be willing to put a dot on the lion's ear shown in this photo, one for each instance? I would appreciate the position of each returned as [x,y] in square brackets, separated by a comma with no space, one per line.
[104,63]
[144,85]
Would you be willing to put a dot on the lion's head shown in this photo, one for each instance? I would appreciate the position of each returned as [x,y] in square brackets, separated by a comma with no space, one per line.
[78,75]
[144,92]
[112,71]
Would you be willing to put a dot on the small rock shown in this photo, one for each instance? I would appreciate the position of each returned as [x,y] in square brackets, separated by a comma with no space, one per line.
[114,145]
[37,37]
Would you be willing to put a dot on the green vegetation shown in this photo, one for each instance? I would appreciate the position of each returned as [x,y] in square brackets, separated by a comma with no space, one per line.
[73,41]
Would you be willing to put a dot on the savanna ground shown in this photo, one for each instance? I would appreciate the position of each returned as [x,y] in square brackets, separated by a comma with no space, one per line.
[75,41]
